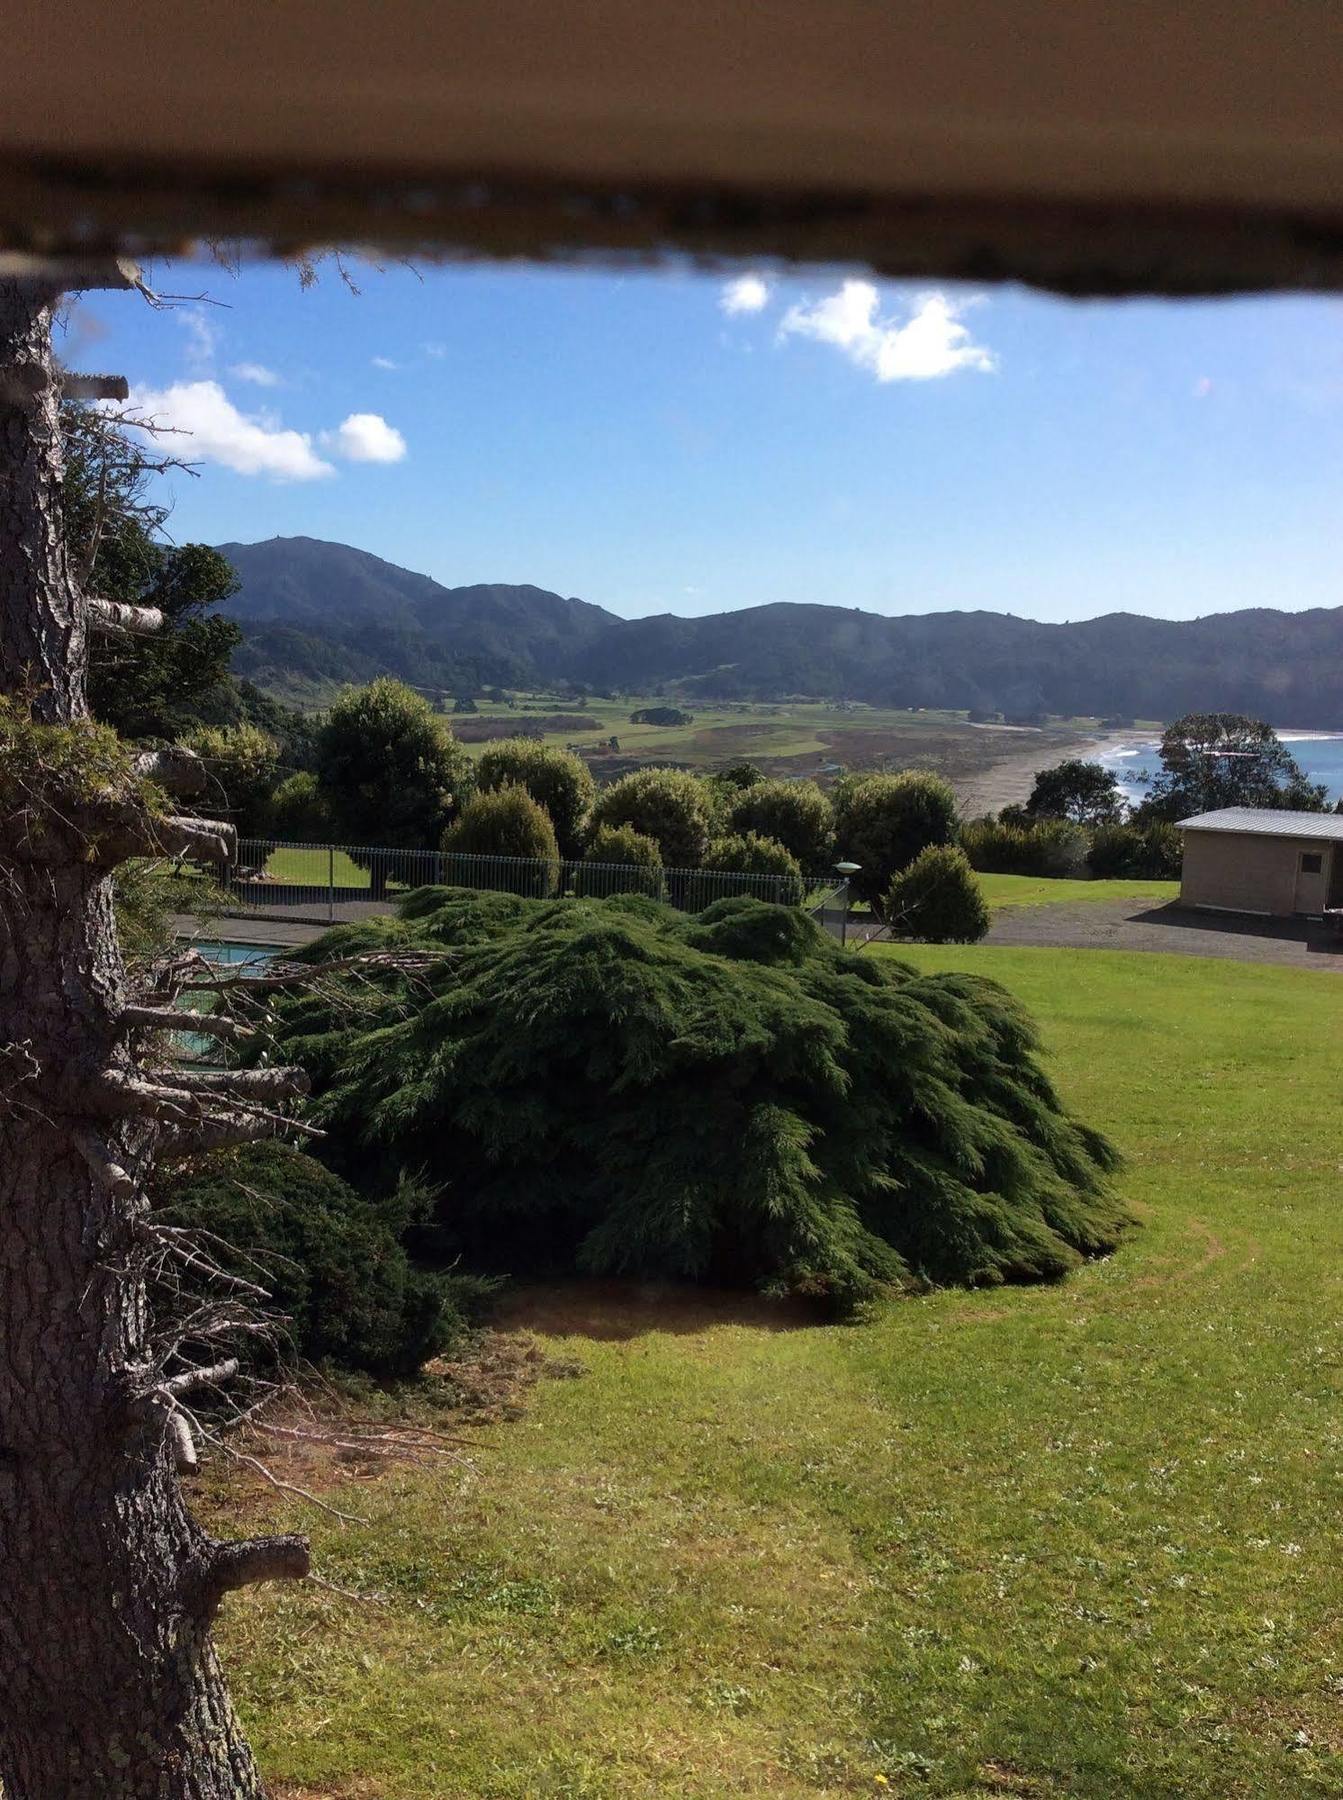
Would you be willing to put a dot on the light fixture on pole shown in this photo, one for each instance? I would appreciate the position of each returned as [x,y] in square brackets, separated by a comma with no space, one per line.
[846,869]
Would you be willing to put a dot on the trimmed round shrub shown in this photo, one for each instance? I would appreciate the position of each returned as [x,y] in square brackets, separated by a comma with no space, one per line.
[393,776]
[507,826]
[298,813]
[795,814]
[556,779]
[937,899]
[619,860]
[618,1088]
[332,1260]
[747,853]
[670,806]
[883,821]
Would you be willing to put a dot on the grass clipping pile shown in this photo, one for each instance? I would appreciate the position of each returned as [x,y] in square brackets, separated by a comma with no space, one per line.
[615,1088]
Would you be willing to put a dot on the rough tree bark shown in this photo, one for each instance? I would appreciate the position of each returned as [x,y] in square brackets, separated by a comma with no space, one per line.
[109,1686]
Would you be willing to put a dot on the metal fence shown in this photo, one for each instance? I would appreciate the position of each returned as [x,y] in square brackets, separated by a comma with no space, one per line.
[328,883]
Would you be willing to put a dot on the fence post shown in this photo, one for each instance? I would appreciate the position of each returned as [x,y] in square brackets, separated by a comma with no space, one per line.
[331,884]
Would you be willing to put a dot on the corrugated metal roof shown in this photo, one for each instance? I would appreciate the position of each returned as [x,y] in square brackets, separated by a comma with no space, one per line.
[1261,821]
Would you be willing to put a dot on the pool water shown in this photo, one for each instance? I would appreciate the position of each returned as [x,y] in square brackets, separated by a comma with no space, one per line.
[196,1044]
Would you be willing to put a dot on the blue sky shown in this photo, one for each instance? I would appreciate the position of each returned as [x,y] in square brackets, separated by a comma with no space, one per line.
[671,442]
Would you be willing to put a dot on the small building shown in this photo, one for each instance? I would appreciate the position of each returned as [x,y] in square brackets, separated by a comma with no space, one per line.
[1249,859]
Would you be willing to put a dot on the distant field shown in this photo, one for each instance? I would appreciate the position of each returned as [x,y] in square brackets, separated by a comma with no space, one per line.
[790,737]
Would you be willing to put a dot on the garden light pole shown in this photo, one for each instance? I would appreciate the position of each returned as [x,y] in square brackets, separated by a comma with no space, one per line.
[846,869]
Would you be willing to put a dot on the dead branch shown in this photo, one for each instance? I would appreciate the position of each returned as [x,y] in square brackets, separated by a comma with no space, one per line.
[214,1375]
[175,769]
[167,1018]
[183,1441]
[284,1558]
[105,1168]
[285,1487]
[95,387]
[115,619]
[289,1083]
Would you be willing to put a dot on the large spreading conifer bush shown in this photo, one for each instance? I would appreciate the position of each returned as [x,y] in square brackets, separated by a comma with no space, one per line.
[613,1087]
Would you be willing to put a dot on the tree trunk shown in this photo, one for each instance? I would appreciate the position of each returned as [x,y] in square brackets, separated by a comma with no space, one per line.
[109,1686]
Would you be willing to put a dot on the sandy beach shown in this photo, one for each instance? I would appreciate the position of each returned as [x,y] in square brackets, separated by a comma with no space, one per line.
[1010,779]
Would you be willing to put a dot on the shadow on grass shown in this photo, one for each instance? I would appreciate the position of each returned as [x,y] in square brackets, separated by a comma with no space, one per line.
[613,1311]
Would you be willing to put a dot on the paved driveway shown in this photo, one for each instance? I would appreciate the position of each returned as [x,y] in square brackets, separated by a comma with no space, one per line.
[1130,925]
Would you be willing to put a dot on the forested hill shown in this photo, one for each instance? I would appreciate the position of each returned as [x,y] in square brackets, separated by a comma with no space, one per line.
[317,613]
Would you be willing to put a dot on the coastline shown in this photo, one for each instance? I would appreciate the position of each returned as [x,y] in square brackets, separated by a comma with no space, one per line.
[1008,782]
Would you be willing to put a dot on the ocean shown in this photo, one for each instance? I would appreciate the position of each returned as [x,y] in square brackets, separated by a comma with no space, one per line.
[1320,754]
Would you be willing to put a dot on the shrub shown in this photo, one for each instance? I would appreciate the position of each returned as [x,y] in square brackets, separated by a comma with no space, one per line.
[298,813]
[739,775]
[619,860]
[795,814]
[1085,792]
[618,1088]
[661,715]
[668,805]
[937,899]
[883,821]
[332,1260]
[747,853]
[242,764]
[1147,852]
[506,823]
[392,774]
[1054,848]
[556,779]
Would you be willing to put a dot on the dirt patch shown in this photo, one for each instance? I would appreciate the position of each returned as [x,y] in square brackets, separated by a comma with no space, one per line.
[615,1310]
[492,1383]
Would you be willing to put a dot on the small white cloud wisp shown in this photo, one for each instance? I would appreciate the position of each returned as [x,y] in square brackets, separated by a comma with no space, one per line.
[383,362]
[365,438]
[746,294]
[214,430]
[257,373]
[928,341]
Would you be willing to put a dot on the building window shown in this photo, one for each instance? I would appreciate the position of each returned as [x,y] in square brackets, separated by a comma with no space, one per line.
[1311,862]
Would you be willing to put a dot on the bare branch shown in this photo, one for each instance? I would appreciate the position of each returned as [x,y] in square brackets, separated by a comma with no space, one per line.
[288,1083]
[104,1166]
[213,1376]
[95,387]
[79,274]
[286,1487]
[168,1018]
[285,1558]
[176,769]
[183,1440]
[114,619]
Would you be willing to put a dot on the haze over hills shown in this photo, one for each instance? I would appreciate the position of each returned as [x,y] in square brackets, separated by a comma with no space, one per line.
[316,613]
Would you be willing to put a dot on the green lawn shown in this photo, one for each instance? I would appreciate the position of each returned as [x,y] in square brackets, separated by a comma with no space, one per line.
[316,867]
[1072,1541]
[1041,890]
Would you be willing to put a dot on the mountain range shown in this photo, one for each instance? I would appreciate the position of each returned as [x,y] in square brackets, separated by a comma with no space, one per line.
[317,613]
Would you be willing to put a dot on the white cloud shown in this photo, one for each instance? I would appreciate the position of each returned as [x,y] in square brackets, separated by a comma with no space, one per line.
[257,373]
[747,294]
[437,351]
[929,341]
[365,437]
[202,335]
[215,431]
[384,362]
[1203,387]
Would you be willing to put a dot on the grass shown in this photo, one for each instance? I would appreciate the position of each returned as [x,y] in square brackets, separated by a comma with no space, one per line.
[1041,890]
[1070,1541]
